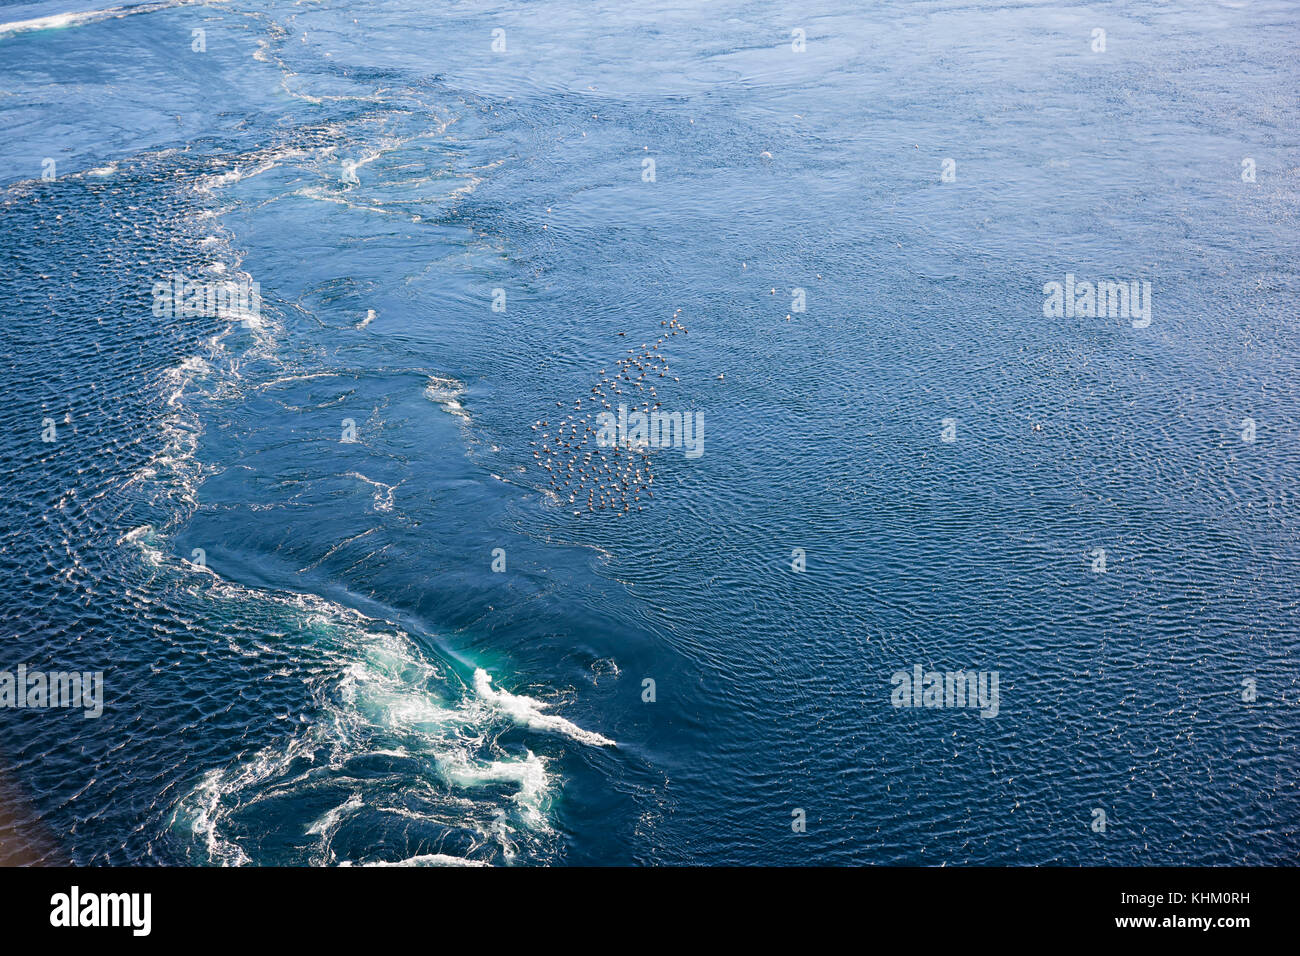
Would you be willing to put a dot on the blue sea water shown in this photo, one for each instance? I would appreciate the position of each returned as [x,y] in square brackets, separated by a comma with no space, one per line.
[308,657]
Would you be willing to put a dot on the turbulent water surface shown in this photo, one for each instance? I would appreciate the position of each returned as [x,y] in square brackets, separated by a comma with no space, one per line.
[345,613]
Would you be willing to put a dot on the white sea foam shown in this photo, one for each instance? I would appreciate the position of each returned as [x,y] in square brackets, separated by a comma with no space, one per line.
[146,539]
[378,695]
[383,499]
[528,775]
[528,712]
[172,471]
[447,392]
[423,859]
[61,21]
[254,165]
[205,803]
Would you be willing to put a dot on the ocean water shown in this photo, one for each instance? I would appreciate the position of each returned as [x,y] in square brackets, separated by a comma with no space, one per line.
[274,530]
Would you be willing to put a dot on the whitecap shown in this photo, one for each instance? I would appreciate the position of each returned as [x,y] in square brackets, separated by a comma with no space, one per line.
[61,21]
[423,859]
[447,392]
[528,712]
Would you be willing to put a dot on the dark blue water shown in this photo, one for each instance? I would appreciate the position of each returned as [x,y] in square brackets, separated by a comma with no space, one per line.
[308,657]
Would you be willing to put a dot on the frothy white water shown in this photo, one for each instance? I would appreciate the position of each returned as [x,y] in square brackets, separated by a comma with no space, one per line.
[205,806]
[529,712]
[61,21]
[383,499]
[252,165]
[146,539]
[428,741]
[447,392]
[380,701]
[528,775]
[423,859]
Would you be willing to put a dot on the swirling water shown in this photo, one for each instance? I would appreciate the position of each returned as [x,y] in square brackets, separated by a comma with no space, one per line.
[308,656]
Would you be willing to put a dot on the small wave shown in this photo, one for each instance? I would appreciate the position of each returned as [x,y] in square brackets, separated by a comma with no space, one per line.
[423,859]
[327,824]
[173,472]
[447,392]
[60,21]
[383,492]
[253,165]
[528,712]
[145,538]
[205,804]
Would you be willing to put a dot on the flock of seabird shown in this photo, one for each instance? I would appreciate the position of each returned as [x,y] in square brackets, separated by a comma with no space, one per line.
[587,474]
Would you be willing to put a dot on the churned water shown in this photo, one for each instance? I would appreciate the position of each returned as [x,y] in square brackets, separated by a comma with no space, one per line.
[367,582]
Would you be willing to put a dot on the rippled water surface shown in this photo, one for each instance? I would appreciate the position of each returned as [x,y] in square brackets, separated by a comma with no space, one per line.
[308,656]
